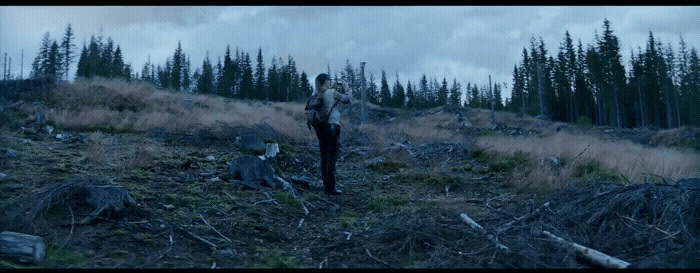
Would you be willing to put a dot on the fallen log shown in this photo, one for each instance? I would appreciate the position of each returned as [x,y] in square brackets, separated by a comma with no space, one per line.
[475,226]
[589,254]
[23,247]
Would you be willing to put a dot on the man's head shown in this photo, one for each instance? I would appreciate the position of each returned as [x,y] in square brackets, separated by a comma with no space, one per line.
[322,80]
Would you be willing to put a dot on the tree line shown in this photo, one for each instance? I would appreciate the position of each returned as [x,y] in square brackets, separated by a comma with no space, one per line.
[587,85]
[661,88]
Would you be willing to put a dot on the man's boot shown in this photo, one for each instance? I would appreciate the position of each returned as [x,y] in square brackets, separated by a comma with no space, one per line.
[329,188]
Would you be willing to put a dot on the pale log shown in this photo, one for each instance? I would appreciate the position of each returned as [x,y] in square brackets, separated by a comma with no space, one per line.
[591,255]
[24,247]
[475,226]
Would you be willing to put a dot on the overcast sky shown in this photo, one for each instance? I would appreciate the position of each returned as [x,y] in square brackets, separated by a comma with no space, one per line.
[462,42]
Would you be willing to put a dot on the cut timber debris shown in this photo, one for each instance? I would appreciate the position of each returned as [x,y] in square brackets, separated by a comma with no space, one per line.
[591,255]
[505,227]
[23,247]
[475,226]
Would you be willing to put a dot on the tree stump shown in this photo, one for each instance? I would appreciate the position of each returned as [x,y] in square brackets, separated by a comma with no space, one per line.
[271,149]
[253,168]
[23,247]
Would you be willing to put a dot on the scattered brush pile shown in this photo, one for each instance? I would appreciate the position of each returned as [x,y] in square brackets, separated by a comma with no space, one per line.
[647,225]
[75,202]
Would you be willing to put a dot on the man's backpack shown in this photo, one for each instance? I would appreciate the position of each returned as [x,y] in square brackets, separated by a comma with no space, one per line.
[314,118]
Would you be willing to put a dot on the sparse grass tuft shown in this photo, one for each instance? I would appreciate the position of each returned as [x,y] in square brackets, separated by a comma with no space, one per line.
[387,167]
[383,203]
[275,258]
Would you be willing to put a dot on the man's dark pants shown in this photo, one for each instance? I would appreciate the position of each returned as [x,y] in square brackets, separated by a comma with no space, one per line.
[328,135]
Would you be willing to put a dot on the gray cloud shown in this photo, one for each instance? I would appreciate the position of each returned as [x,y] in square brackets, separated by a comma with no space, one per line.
[466,43]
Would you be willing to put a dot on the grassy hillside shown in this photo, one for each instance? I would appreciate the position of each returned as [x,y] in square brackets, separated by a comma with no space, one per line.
[402,212]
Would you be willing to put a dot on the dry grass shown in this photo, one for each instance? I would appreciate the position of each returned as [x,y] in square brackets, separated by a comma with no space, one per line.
[439,127]
[482,118]
[119,106]
[631,160]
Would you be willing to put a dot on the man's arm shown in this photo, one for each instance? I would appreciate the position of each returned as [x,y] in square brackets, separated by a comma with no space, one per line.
[344,98]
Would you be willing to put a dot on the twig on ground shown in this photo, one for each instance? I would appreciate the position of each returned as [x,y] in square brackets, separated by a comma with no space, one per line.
[170,237]
[652,242]
[507,226]
[300,222]
[72,224]
[217,232]
[322,199]
[376,259]
[579,154]
[197,237]
[320,265]
[265,201]
[306,210]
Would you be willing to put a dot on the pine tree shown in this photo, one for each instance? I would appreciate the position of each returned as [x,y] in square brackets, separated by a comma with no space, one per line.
[411,97]
[226,79]
[422,101]
[399,96]
[118,64]
[305,85]
[176,73]
[220,87]
[186,80]
[82,63]
[455,93]
[372,93]
[293,80]
[684,76]
[442,93]
[517,95]
[104,67]
[475,99]
[54,62]
[94,57]
[582,89]
[384,93]
[260,87]
[693,85]
[283,88]
[570,57]
[614,77]
[146,70]
[127,72]
[247,77]
[41,62]
[205,82]
[497,100]
[67,50]
[561,110]
[273,81]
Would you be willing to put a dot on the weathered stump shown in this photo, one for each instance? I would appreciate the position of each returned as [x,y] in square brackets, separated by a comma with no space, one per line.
[99,199]
[253,168]
[23,247]
[271,149]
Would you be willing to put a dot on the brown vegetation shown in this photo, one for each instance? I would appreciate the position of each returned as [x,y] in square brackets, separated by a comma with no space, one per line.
[635,162]
[115,105]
